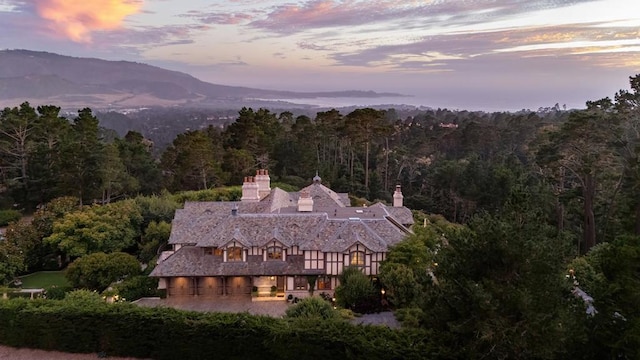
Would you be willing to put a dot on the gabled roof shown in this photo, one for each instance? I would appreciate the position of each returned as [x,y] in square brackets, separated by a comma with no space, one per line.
[259,229]
[401,214]
[325,198]
[190,261]
[332,226]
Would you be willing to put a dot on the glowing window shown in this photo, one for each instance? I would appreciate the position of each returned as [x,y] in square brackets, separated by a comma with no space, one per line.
[357,258]
[323,283]
[234,253]
[274,253]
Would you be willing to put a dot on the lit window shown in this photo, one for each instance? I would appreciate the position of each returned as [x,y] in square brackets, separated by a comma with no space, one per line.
[357,258]
[274,253]
[213,251]
[323,283]
[234,253]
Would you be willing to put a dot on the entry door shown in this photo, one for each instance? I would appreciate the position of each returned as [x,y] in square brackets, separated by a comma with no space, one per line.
[280,283]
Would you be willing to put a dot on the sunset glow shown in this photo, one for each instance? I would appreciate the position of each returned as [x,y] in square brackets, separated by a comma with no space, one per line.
[455,53]
[76,20]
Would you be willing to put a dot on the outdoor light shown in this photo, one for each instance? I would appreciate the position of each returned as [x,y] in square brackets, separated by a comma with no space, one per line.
[382,291]
[271,278]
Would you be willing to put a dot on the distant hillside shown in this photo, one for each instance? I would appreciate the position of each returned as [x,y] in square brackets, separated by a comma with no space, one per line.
[42,77]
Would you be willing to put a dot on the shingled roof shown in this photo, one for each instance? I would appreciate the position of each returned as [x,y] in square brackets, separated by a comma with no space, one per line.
[191,261]
[332,226]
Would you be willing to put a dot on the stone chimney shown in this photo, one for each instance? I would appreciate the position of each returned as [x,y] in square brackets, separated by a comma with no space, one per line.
[264,182]
[250,190]
[397,197]
[305,202]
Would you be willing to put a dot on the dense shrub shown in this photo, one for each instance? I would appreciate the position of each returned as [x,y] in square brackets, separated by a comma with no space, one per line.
[97,271]
[156,208]
[290,183]
[312,308]
[124,329]
[137,287]
[57,292]
[356,292]
[230,193]
[155,236]
[9,216]
[84,297]
[409,317]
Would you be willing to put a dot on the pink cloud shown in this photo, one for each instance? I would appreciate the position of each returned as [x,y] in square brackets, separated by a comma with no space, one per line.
[76,20]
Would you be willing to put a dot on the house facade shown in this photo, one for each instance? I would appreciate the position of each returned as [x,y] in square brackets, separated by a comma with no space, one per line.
[276,240]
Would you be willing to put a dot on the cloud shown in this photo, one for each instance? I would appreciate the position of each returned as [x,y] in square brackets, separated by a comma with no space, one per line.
[219,18]
[145,37]
[76,20]
[581,43]
[293,18]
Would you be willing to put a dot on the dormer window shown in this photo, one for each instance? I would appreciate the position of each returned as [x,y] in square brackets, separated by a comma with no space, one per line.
[357,258]
[274,252]
[234,253]
[213,251]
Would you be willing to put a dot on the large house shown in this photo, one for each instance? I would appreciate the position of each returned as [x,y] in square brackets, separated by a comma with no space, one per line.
[276,240]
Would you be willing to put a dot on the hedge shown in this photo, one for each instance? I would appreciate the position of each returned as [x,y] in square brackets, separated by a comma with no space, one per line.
[9,216]
[163,333]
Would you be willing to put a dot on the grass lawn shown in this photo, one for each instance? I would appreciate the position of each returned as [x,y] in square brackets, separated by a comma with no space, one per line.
[44,279]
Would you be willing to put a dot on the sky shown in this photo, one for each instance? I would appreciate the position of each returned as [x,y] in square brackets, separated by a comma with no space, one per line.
[458,54]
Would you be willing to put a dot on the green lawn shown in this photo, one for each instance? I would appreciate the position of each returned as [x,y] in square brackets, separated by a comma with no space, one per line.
[44,279]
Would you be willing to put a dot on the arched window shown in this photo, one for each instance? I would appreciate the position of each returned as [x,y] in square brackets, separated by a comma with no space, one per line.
[357,258]
[234,253]
[274,252]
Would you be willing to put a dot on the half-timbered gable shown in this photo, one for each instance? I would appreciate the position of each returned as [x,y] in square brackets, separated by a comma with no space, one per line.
[276,240]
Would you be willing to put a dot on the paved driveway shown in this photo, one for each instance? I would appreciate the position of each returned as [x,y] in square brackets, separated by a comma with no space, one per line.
[242,304]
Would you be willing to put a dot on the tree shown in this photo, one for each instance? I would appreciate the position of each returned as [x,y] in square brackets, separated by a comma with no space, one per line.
[356,291]
[627,107]
[82,155]
[402,288]
[25,238]
[12,258]
[501,291]
[46,160]
[99,270]
[193,162]
[238,163]
[365,126]
[408,268]
[99,228]
[610,274]
[582,148]
[17,128]
[116,181]
[135,153]
[156,208]
[297,151]
[254,131]
[155,236]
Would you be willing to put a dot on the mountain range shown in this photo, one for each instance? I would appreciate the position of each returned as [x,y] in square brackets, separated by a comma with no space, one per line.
[73,82]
